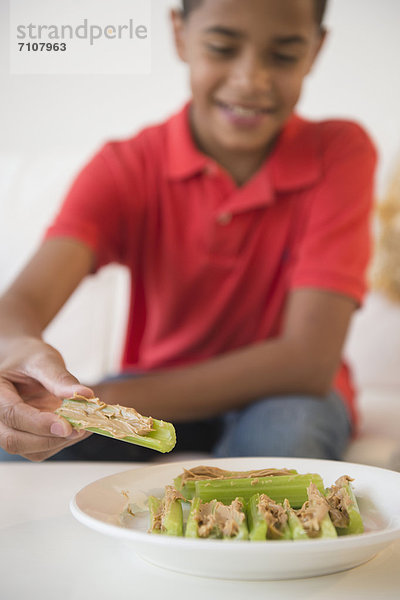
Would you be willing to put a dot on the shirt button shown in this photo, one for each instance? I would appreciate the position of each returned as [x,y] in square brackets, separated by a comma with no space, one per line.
[224,218]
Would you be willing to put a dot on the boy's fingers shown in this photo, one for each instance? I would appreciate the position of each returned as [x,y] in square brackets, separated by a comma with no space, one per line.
[43,454]
[34,447]
[16,414]
[57,380]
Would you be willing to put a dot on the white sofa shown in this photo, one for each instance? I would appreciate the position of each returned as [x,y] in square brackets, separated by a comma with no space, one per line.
[89,329]
[373,350]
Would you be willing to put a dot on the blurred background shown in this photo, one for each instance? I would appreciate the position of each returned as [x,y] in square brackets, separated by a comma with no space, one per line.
[51,124]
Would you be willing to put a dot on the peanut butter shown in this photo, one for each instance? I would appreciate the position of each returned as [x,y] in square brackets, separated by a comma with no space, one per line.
[204,472]
[119,421]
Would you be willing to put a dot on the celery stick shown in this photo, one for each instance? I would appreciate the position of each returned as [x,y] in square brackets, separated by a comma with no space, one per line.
[260,527]
[356,524]
[295,525]
[192,527]
[243,531]
[314,515]
[170,522]
[285,533]
[161,438]
[242,534]
[327,528]
[197,518]
[257,524]
[293,487]
[187,488]
[215,517]
[154,505]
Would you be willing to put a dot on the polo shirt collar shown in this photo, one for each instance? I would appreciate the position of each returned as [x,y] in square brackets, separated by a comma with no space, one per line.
[295,162]
[184,159]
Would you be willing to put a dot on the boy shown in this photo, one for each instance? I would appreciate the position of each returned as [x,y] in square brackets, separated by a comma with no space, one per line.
[246,231]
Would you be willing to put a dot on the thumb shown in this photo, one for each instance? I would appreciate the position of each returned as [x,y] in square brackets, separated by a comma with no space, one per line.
[53,375]
[64,385]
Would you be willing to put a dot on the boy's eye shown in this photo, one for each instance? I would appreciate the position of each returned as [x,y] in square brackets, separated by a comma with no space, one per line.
[222,50]
[284,58]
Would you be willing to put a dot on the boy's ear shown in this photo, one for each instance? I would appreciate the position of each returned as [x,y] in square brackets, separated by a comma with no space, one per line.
[318,46]
[178,26]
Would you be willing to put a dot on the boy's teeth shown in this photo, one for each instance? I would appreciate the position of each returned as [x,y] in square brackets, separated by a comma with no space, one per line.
[243,112]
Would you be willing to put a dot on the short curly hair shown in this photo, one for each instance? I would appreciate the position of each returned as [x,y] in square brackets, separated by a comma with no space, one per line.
[320,6]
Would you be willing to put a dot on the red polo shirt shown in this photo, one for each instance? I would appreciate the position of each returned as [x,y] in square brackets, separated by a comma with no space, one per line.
[212,263]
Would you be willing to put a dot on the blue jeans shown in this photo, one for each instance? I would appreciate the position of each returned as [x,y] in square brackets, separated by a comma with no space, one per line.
[294,426]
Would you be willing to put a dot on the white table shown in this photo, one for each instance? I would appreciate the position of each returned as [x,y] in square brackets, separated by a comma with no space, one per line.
[46,554]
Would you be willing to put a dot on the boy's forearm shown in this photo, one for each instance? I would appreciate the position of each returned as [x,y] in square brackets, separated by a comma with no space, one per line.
[38,292]
[17,320]
[224,383]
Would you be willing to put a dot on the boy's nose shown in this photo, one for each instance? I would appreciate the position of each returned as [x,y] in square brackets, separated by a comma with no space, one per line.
[251,75]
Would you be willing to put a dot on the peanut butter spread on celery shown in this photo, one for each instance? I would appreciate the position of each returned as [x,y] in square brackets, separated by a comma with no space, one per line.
[170,496]
[217,519]
[313,511]
[117,420]
[339,501]
[204,472]
[273,513]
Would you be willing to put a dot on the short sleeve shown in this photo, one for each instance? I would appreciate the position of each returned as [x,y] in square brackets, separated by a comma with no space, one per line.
[336,243]
[98,210]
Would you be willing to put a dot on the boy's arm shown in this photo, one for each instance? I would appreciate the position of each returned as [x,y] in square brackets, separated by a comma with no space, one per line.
[303,360]
[33,375]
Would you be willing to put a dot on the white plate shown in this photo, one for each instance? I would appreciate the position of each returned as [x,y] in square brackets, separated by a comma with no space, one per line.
[102,506]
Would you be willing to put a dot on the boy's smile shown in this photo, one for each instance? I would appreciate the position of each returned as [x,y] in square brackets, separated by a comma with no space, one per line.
[243,114]
[247,62]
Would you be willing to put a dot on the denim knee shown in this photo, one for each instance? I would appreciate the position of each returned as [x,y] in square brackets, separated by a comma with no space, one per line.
[6,457]
[296,426]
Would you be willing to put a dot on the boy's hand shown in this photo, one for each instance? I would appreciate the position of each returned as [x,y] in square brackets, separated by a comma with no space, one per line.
[32,383]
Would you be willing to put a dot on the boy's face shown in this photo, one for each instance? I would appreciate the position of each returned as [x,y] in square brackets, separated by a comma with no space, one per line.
[247,61]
